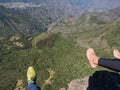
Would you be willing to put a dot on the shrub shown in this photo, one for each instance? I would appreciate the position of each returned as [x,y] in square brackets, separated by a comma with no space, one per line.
[47,41]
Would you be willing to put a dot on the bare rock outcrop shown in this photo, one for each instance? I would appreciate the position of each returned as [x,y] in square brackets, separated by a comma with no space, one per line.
[78,84]
[100,80]
[19,85]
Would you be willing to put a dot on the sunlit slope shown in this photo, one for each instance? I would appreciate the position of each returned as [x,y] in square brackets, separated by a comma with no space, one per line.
[59,56]
[90,30]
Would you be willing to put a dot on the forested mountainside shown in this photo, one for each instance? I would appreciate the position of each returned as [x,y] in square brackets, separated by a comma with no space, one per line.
[14,22]
[51,36]
[54,52]
[86,20]
[98,25]
[38,14]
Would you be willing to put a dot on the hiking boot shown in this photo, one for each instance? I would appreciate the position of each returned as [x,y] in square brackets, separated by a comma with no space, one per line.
[31,75]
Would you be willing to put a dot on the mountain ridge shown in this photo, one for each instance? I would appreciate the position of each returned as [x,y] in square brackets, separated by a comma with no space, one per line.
[71,6]
[61,50]
[39,15]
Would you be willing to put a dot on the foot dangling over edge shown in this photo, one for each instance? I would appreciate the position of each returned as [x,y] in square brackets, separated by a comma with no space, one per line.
[116,54]
[92,57]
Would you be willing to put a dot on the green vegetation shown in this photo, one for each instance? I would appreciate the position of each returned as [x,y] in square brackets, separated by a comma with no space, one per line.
[44,40]
[65,58]
[96,19]
[13,21]
[58,56]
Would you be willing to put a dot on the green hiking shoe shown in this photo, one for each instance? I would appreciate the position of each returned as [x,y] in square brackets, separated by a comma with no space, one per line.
[31,75]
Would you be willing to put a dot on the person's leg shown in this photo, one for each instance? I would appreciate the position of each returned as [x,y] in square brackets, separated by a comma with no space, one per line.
[33,86]
[31,78]
[113,64]
[94,61]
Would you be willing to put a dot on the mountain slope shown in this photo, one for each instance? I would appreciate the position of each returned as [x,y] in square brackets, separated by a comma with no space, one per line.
[60,53]
[58,58]
[38,14]
[90,29]
[14,22]
[55,57]
[72,7]
[56,53]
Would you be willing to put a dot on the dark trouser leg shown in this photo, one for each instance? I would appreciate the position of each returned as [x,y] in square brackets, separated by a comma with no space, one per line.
[113,64]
